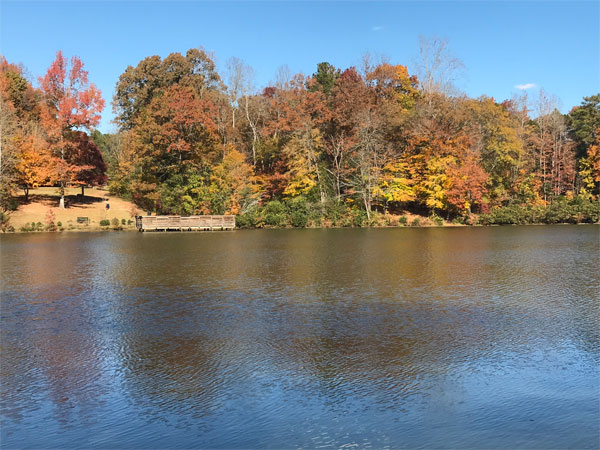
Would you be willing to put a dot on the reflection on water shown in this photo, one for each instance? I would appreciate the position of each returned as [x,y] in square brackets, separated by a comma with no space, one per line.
[484,337]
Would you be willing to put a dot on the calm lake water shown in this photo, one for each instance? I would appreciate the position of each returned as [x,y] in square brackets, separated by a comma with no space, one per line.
[463,337]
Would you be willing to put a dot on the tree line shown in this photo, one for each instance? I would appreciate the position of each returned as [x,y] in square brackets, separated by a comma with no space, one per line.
[353,144]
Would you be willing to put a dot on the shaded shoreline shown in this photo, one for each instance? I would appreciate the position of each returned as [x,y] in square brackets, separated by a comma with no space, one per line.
[449,225]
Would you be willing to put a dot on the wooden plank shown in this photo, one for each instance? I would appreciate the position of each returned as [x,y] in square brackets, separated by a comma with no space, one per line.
[203,222]
[229,222]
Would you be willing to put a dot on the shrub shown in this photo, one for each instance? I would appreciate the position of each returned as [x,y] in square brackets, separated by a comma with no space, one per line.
[576,210]
[50,218]
[274,213]
[591,211]
[315,220]
[298,211]
[105,223]
[298,219]
[562,210]
[39,226]
[129,222]
[246,220]
[359,218]
[402,220]
[436,220]
[29,227]
[470,219]
[345,221]
[116,224]
[59,223]
[334,211]
[379,220]
[4,225]
[416,222]
[123,222]
[7,201]
[250,217]
[507,215]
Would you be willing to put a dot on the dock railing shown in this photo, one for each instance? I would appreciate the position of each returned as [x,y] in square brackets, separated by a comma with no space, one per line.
[185,223]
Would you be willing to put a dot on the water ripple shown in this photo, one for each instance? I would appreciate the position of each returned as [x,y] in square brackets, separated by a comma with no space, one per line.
[302,339]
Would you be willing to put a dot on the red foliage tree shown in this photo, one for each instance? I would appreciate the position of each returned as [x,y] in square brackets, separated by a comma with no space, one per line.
[468,185]
[86,156]
[72,104]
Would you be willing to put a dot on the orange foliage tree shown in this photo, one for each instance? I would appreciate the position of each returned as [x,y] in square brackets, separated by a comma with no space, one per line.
[71,104]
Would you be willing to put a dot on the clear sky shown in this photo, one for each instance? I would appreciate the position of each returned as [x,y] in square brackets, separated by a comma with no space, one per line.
[550,44]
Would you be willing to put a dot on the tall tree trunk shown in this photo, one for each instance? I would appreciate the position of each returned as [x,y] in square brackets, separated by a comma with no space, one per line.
[61,204]
[315,166]
[321,191]
[254,133]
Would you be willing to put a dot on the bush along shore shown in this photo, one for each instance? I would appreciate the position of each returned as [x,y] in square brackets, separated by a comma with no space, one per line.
[49,224]
[298,213]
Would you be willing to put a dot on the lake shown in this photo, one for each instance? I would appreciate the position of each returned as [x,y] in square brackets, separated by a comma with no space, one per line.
[354,338]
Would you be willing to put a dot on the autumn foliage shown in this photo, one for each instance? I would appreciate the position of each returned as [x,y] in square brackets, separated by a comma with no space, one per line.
[45,140]
[354,142]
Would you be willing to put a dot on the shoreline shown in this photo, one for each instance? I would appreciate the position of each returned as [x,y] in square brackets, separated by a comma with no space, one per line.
[99,211]
[133,229]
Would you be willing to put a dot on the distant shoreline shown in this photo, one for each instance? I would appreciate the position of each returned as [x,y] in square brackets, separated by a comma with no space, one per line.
[97,211]
[133,229]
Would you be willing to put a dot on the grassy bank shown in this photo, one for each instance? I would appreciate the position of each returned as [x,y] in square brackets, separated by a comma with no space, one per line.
[40,212]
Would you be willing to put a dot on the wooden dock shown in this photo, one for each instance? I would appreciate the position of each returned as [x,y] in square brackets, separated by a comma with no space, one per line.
[184,223]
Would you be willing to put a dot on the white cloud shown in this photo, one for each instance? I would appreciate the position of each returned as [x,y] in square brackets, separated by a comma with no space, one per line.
[524,87]
[377,28]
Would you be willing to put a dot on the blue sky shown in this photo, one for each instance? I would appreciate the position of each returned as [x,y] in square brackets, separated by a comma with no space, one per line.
[554,45]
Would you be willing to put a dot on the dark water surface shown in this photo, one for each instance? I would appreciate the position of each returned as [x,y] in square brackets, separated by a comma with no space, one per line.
[466,337]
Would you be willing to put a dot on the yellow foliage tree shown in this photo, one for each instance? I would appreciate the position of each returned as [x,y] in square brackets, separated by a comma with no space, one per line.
[301,155]
[436,182]
[395,184]
[234,178]
[589,170]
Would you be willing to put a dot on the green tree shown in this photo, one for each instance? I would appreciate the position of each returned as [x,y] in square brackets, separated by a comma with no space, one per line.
[324,78]
[583,120]
[174,139]
[137,86]
[589,169]
[497,142]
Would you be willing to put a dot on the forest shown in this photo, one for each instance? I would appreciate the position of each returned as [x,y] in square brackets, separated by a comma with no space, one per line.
[357,146]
